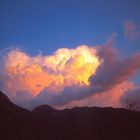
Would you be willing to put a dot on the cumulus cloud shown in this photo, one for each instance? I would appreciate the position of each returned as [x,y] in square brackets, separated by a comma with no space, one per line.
[111,73]
[21,72]
[70,77]
[131,30]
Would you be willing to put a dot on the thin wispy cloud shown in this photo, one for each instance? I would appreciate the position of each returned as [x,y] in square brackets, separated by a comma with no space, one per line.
[131,31]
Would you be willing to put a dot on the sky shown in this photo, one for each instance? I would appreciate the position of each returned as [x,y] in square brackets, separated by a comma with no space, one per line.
[39,28]
[46,25]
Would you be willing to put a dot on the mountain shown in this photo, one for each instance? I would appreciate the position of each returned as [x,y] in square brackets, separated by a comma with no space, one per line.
[7,106]
[3,98]
[14,120]
[79,123]
[44,109]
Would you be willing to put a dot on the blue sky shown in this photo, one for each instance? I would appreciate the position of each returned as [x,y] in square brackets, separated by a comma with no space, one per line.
[46,25]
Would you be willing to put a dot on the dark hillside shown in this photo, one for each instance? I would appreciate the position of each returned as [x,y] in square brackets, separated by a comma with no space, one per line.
[83,123]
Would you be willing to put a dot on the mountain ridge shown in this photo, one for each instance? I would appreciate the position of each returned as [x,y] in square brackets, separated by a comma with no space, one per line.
[44,122]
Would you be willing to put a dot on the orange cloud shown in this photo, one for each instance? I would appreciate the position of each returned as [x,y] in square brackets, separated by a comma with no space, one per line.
[81,76]
[33,74]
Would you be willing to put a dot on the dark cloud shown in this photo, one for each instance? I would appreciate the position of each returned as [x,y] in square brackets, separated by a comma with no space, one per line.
[111,73]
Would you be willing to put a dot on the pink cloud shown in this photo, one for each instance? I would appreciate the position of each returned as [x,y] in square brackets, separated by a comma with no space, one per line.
[131,30]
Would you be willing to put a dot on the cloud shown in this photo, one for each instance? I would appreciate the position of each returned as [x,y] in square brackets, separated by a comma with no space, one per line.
[131,97]
[21,72]
[69,77]
[107,98]
[109,78]
[112,73]
[131,30]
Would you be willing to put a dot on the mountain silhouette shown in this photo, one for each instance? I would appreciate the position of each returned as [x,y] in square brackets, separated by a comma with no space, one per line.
[43,109]
[79,123]
[4,101]
[7,106]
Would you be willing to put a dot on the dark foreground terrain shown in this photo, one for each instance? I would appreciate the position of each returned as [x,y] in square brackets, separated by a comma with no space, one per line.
[46,123]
